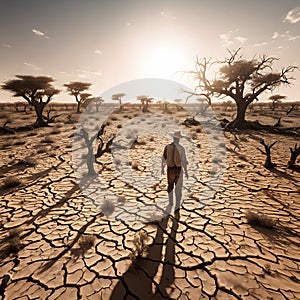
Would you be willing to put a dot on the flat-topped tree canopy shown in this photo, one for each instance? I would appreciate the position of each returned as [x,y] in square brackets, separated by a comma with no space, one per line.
[77,89]
[36,90]
[31,88]
[145,100]
[118,97]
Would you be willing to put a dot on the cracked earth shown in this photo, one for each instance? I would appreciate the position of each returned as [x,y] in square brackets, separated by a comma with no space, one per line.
[58,244]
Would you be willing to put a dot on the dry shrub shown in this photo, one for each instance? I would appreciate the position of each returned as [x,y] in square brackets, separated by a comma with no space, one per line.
[29,161]
[107,208]
[267,269]
[52,154]
[135,166]
[11,182]
[48,140]
[86,242]
[14,243]
[114,118]
[19,142]
[140,247]
[7,144]
[42,149]
[56,131]
[31,133]
[259,219]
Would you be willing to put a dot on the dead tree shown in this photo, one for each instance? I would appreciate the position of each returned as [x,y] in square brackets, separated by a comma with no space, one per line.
[294,154]
[268,163]
[101,148]
[278,123]
[293,107]
[90,155]
[242,80]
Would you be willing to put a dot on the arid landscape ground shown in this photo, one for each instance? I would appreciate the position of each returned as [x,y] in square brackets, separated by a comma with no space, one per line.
[243,243]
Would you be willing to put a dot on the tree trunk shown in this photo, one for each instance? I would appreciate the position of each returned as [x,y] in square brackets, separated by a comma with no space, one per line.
[40,120]
[78,107]
[239,121]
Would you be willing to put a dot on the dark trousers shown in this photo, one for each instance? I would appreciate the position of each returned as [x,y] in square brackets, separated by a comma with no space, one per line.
[175,178]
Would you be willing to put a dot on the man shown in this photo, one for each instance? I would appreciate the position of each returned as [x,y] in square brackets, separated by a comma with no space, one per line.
[175,159]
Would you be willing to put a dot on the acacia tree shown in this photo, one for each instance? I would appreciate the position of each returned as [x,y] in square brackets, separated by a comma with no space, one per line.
[118,97]
[77,89]
[145,100]
[98,101]
[276,99]
[241,80]
[36,90]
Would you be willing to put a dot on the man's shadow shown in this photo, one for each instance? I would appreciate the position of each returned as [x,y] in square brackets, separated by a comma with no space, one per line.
[142,281]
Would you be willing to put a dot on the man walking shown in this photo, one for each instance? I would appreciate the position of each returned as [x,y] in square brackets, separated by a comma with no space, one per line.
[175,159]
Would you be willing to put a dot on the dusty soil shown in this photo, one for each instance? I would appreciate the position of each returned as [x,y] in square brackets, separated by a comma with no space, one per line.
[57,244]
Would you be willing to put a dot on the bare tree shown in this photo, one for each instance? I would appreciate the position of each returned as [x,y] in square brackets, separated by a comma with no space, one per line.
[239,79]
[276,99]
[292,108]
[90,159]
[118,97]
[268,163]
[36,90]
[203,105]
[295,152]
[77,89]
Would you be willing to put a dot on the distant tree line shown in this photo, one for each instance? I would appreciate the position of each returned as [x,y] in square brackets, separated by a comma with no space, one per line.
[239,79]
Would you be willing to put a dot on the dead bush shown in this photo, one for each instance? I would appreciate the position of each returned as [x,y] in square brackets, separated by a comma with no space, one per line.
[140,247]
[14,243]
[259,219]
[11,182]
[107,208]
[48,140]
[86,242]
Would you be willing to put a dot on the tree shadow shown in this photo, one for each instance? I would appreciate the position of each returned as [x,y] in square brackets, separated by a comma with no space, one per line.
[18,166]
[282,174]
[69,247]
[143,279]
[7,242]
[29,180]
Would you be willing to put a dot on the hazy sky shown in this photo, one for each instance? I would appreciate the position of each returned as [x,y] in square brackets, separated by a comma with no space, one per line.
[109,42]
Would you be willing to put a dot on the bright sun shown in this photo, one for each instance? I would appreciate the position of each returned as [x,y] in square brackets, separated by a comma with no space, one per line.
[164,61]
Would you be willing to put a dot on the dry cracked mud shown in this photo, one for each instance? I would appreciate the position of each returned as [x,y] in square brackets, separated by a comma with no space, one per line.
[57,244]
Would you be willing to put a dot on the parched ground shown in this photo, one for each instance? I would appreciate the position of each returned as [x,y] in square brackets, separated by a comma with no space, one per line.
[242,243]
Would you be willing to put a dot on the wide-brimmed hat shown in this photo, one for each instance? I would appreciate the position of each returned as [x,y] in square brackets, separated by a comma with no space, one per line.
[177,134]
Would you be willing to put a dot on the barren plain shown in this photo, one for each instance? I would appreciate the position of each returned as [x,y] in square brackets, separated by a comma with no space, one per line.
[242,243]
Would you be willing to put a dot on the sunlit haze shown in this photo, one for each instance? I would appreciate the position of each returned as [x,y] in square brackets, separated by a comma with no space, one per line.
[110,42]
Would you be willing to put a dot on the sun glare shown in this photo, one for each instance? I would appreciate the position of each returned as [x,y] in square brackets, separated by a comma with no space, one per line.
[164,61]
